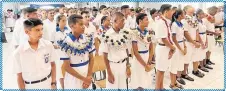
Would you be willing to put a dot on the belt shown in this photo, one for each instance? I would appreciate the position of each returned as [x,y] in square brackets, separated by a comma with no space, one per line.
[119,61]
[162,44]
[181,41]
[143,52]
[202,33]
[38,81]
[130,55]
[210,34]
[80,64]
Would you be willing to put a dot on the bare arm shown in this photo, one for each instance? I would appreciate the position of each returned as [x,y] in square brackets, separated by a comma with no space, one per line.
[53,70]
[188,37]
[20,81]
[151,52]
[137,55]
[90,68]
[176,42]
[107,63]
[167,43]
[97,45]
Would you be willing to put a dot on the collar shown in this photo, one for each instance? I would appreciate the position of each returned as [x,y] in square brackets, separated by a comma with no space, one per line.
[73,38]
[58,29]
[179,24]
[28,46]
[142,32]
[104,28]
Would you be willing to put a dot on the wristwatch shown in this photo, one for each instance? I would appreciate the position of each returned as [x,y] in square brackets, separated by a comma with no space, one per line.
[53,83]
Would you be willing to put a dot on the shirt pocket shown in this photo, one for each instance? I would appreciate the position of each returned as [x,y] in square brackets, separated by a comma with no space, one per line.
[45,60]
[28,64]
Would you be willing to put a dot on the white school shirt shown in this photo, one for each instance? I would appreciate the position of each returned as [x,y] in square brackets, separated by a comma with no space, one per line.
[219,17]
[142,47]
[91,29]
[162,31]
[188,25]
[19,35]
[77,58]
[129,22]
[209,26]
[113,54]
[178,30]
[202,31]
[59,35]
[133,23]
[34,65]
[49,28]
[97,20]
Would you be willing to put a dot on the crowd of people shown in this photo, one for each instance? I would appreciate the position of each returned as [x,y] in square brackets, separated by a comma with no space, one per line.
[61,45]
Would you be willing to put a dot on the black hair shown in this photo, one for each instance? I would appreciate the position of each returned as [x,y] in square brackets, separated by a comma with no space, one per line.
[84,12]
[132,10]
[174,8]
[32,22]
[59,17]
[117,15]
[102,7]
[152,11]
[73,19]
[140,16]
[95,10]
[165,7]
[29,10]
[103,19]
[176,14]
[124,7]
[138,10]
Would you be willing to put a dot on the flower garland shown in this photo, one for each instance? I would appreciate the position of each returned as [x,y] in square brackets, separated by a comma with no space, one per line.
[74,48]
[192,21]
[145,37]
[122,39]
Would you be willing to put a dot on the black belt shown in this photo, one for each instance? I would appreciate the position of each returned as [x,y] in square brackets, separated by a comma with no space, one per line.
[162,44]
[130,55]
[38,81]
[210,34]
[119,61]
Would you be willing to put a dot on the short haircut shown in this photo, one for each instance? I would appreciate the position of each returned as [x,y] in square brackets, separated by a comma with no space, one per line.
[124,7]
[102,7]
[132,10]
[73,19]
[212,10]
[103,19]
[59,17]
[198,11]
[117,15]
[32,22]
[29,10]
[95,10]
[138,10]
[174,8]
[140,16]
[84,12]
[165,7]
[152,11]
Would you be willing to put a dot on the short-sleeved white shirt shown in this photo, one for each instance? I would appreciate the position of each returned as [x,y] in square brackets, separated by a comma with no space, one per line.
[202,31]
[178,30]
[97,20]
[209,26]
[162,30]
[190,24]
[49,28]
[91,29]
[34,65]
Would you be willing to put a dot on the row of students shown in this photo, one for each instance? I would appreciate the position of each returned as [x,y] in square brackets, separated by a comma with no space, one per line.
[75,49]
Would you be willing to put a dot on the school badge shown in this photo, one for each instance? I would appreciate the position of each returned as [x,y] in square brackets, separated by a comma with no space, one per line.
[46,57]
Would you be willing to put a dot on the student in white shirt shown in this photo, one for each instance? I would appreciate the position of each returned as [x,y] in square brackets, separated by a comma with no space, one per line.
[202,40]
[60,34]
[133,19]
[128,20]
[49,26]
[178,58]
[19,36]
[209,22]
[62,11]
[115,51]
[143,53]
[34,59]
[97,20]
[219,19]
[165,48]
[89,27]
[190,25]
[77,49]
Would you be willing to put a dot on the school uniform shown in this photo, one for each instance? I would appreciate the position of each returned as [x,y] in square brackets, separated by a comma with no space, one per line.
[162,51]
[19,35]
[10,21]
[77,52]
[99,34]
[97,20]
[115,45]
[178,58]
[59,35]
[49,27]
[141,78]
[91,29]
[210,37]
[152,27]
[129,23]
[35,65]
[202,33]
[190,24]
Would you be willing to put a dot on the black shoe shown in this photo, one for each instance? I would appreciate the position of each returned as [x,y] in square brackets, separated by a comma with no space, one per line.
[179,86]
[212,63]
[203,69]
[187,77]
[209,62]
[198,74]
[208,67]
[181,81]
